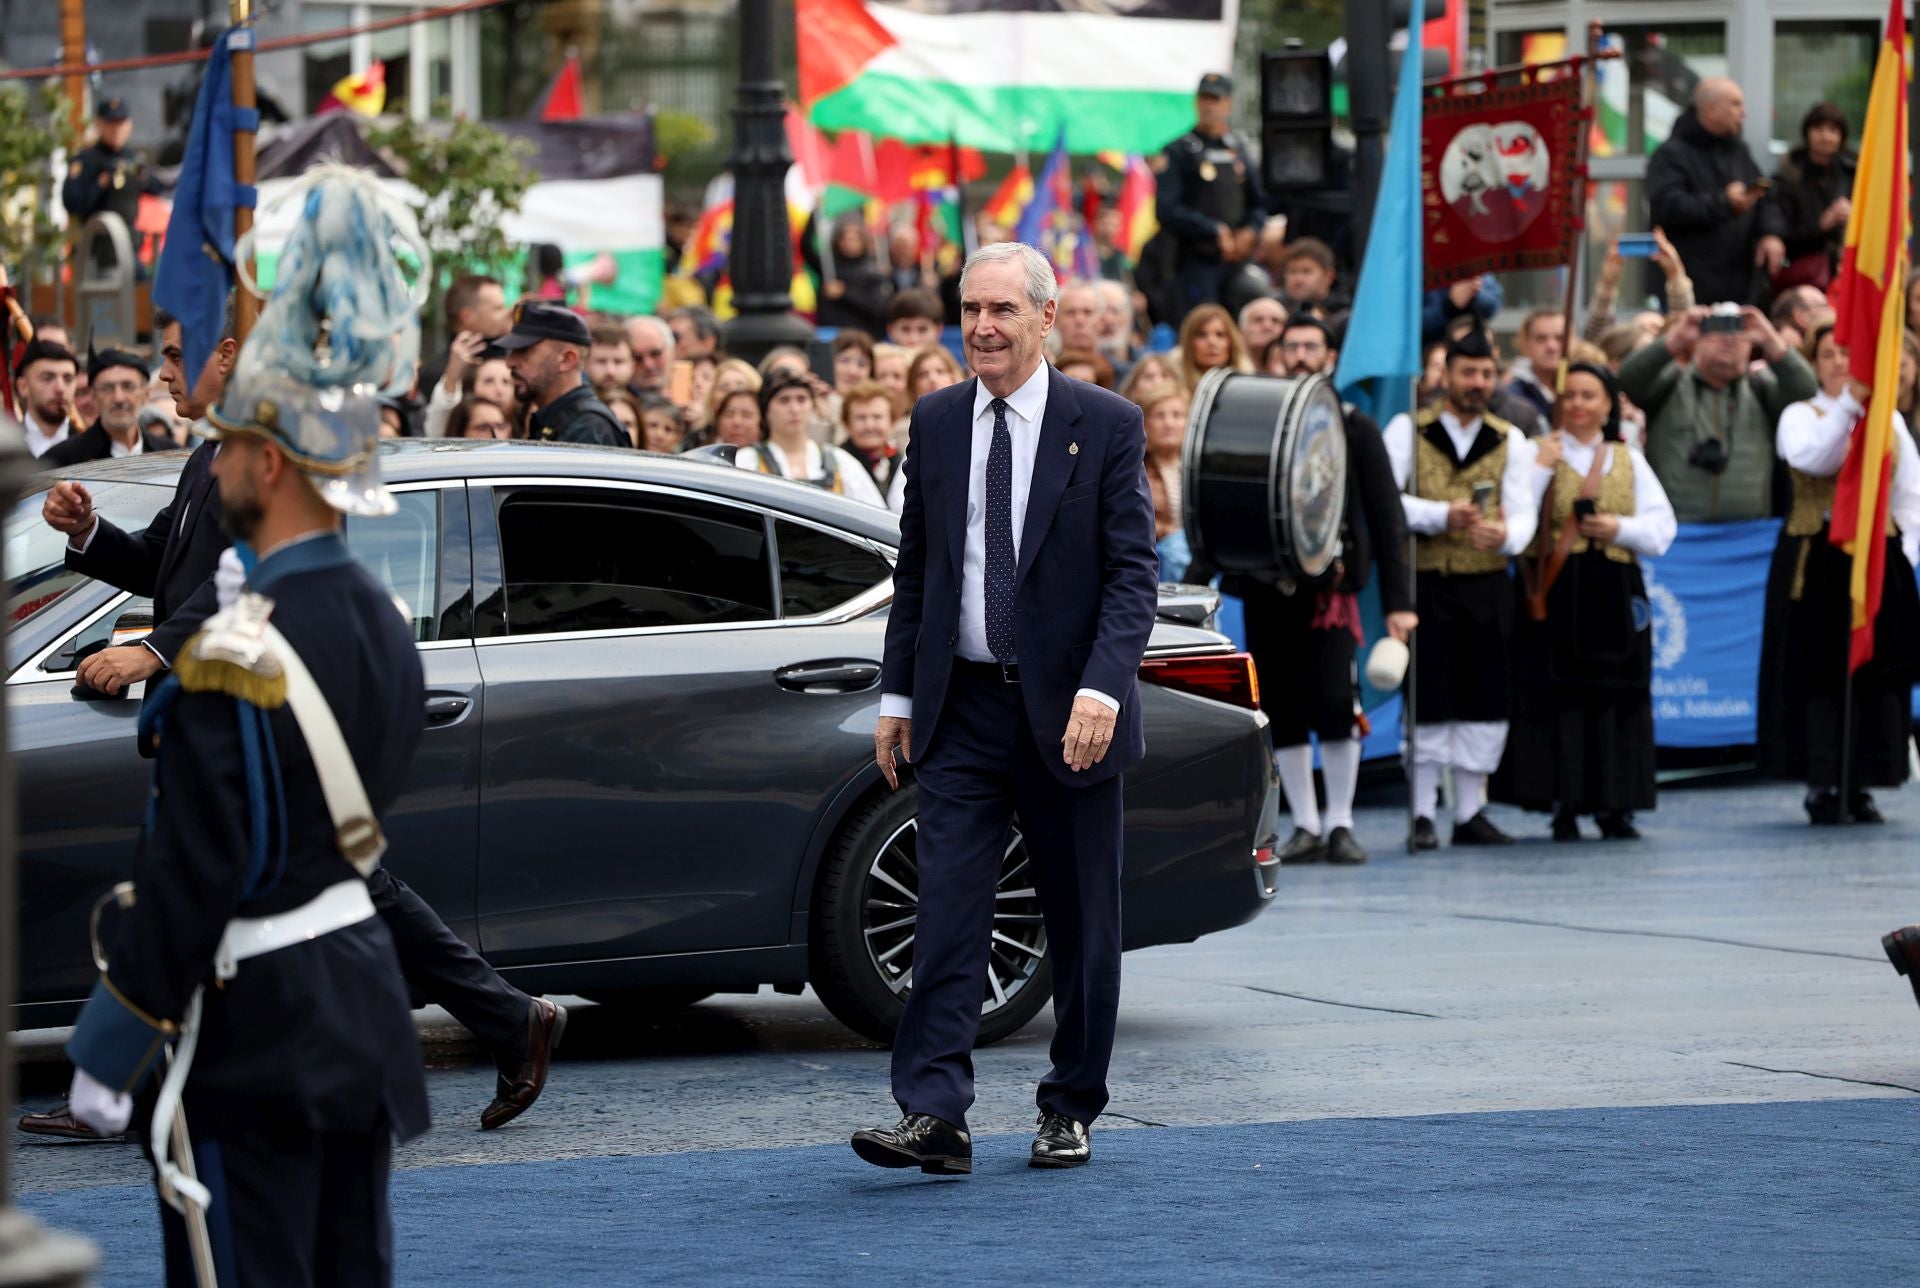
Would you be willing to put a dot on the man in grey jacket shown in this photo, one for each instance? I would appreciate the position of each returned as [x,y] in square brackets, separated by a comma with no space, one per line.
[1710,421]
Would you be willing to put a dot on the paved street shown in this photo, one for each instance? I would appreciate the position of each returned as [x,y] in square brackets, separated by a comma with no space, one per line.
[1732,959]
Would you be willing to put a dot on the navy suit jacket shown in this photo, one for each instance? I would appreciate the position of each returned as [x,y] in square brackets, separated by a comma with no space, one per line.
[1087,584]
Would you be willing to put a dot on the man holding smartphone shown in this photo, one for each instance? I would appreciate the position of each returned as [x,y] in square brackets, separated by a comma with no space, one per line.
[1705,189]
[1467,491]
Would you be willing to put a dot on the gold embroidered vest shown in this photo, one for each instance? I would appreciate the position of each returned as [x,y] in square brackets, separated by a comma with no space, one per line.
[1813,499]
[1437,478]
[1616,497]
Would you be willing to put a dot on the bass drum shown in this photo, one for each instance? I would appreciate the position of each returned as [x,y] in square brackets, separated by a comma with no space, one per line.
[1264,474]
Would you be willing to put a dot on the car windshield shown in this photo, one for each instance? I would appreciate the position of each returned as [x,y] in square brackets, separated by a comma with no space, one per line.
[36,555]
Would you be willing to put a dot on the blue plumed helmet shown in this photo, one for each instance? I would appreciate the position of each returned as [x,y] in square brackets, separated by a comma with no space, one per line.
[340,329]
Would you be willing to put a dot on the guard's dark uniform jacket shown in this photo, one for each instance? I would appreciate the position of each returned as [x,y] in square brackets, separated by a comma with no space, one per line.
[101,178]
[579,416]
[1205,182]
[307,1057]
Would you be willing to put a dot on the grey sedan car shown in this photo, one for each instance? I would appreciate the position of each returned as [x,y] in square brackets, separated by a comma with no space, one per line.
[647,774]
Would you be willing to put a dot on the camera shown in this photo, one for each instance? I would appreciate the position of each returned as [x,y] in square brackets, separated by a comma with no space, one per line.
[1725,319]
[1709,454]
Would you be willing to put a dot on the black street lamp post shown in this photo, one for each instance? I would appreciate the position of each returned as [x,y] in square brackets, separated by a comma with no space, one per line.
[760,260]
[30,1254]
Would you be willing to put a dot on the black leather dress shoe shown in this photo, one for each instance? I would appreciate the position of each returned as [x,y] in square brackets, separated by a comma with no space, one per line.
[1566,826]
[1303,847]
[1479,830]
[521,1084]
[1861,809]
[1423,837]
[1059,1141]
[1823,808]
[1903,950]
[919,1140]
[1342,848]
[1617,826]
[60,1123]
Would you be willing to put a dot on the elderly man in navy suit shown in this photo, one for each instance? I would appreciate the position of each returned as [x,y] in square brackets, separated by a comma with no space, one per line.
[1023,598]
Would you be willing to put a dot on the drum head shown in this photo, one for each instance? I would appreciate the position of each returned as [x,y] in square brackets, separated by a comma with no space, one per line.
[1315,480]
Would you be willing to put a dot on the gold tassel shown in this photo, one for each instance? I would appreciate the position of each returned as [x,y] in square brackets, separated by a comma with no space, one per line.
[204,675]
[1800,571]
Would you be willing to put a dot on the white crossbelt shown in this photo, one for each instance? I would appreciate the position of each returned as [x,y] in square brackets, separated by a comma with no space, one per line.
[359,836]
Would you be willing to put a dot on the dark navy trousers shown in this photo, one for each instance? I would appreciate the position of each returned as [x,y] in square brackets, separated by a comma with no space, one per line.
[981,773]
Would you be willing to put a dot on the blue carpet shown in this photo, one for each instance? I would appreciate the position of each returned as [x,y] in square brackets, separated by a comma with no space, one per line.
[1801,1193]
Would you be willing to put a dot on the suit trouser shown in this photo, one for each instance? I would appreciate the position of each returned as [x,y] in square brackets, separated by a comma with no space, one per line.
[983,771]
[290,1210]
[442,968]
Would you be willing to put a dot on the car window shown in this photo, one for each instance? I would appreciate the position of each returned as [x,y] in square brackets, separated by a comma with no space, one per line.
[36,568]
[402,551]
[819,571]
[579,559]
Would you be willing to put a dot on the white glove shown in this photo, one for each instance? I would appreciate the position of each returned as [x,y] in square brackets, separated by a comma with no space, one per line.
[229,577]
[107,1112]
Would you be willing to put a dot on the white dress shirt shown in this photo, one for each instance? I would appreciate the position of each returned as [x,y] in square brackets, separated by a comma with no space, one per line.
[116,449]
[1429,518]
[1814,437]
[39,440]
[1026,407]
[1649,530]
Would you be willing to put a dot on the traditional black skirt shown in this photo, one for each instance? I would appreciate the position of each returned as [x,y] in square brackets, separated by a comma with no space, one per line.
[1306,672]
[1460,650]
[1803,668]
[1582,732]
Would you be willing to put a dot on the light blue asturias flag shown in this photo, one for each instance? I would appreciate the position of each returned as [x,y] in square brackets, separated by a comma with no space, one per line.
[1380,355]
[195,272]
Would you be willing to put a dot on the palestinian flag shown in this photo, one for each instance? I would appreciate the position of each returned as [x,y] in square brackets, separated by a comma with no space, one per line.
[1007,75]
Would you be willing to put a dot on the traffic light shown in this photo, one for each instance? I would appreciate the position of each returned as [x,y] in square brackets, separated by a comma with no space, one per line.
[1296,119]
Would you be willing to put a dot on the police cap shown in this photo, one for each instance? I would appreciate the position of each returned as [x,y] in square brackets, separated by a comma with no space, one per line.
[536,320]
[111,109]
[1215,85]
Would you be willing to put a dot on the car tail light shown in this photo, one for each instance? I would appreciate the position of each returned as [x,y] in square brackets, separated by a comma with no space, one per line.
[1224,677]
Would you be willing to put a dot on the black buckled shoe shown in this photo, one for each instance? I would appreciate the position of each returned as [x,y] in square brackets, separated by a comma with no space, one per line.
[1060,1141]
[1303,847]
[1422,837]
[1861,809]
[1566,826]
[1479,830]
[1342,848]
[1823,807]
[1617,826]
[919,1140]
[1903,950]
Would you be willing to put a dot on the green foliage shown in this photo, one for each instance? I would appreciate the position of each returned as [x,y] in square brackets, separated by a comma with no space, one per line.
[469,174]
[34,125]
[677,133]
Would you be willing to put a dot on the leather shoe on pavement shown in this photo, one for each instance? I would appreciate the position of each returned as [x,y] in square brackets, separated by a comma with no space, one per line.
[517,1089]
[934,1146]
[1060,1142]
[1479,830]
[1566,826]
[1303,847]
[1861,808]
[1903,950]
[1342,848]
[1423,837]
[59,1122]
[1617,826]
[1823,808]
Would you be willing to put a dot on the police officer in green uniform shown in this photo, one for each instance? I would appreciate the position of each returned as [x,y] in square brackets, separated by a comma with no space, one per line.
[547,353]
[1210,198]
[108,176]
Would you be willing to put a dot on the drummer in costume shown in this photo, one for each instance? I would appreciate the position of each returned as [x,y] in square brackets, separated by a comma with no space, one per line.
[1803,654]
[1467,483]
[1582,735]
[245,969]
[1303,638]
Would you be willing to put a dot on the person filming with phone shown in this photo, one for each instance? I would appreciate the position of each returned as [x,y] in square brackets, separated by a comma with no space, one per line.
[1706,191]
[1710,421]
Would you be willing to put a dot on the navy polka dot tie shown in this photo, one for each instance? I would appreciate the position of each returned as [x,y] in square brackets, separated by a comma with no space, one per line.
[1000,560]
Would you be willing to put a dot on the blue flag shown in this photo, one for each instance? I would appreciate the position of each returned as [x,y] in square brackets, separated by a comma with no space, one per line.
[1047,222]
[195,273]
[1380,355]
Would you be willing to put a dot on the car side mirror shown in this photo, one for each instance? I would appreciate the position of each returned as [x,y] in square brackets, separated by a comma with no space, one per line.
[134,624]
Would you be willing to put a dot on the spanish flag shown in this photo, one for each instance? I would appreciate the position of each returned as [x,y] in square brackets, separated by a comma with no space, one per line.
[1869,297]
[363,94]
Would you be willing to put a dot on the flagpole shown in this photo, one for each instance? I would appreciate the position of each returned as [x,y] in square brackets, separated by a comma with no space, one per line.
[1408,720]
[1588,81]
[246,307]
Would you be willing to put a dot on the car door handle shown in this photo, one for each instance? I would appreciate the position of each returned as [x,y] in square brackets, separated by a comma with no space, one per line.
[839,676]
[445,709]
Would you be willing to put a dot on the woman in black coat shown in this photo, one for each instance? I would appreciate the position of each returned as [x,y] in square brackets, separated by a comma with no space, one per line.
[1812,192]
[855,293]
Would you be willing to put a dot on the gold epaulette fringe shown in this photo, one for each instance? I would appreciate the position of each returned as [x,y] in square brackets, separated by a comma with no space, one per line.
[199,674]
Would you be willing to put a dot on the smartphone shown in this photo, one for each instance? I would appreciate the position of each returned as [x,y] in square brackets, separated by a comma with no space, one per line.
[1485,497]
[1638,246]
[680,382]
[1760,185]
[820,360]
[1583,507]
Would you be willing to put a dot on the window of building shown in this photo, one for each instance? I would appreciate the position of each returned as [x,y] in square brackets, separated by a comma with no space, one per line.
[1821,62]
[579,559]
[819,571]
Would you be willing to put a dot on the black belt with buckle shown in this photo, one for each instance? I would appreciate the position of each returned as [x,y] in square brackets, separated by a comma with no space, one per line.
[1003,672]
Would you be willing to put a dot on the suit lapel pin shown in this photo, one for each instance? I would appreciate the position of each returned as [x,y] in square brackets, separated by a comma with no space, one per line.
[1073,449]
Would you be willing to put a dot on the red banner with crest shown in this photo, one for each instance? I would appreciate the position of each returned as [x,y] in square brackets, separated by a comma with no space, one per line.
[1498,162]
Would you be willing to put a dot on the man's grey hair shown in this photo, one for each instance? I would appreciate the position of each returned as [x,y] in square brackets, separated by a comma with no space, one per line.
[659,327]
[1246,310]
[1042,286]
